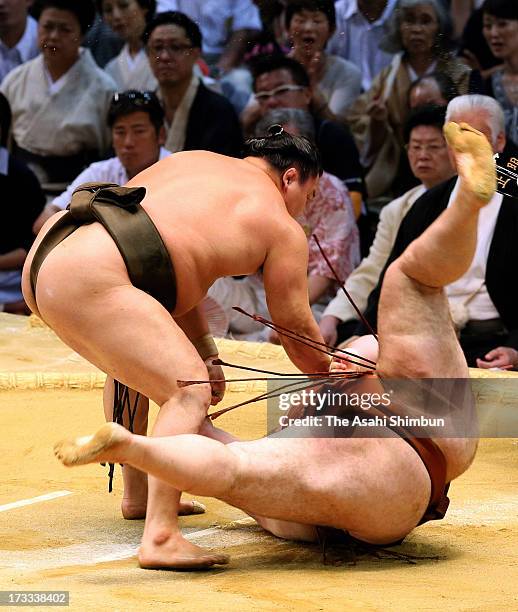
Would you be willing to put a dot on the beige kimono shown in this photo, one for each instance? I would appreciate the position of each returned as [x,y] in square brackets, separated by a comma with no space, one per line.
[131,73]
[66,122]
[392,85]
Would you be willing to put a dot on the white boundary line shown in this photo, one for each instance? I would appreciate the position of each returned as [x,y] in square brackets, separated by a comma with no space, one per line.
[34,500]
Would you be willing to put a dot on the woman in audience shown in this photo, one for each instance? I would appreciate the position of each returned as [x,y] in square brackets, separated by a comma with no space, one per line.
[419,34]
[128,18]
[336,82]
[59,99]
[500,28]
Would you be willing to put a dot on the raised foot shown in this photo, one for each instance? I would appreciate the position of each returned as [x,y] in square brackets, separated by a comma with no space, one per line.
[178,554]
[474,157]
[136,511]
[98,448]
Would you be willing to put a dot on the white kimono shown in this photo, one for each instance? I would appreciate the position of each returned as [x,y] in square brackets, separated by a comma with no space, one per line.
[66,122]
[131,73]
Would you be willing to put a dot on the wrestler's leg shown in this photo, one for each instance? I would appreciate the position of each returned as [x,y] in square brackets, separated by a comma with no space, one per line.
[302,482]
[416,334]
[283,529]
[134,499]
[133,338]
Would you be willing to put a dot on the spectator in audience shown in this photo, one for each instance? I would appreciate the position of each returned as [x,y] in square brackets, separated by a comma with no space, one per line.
[128,18]
[226,26]
[430,163]
[329,215]
[473,47]
[483,301]
[273,38]
[23,200]
[419,35]
[282,82]
[360,26]
[196,117]
[436,88]
[136,120]
[500,19]
[18,35]
[102,41]
[59,99]
[335,82]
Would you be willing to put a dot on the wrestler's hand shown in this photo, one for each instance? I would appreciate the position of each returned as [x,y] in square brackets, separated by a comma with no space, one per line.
[503,357]
[217,378]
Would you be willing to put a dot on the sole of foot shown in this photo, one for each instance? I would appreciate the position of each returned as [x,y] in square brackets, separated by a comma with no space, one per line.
[90,449]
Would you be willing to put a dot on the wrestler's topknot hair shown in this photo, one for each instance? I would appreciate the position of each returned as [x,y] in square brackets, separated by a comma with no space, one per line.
[282,151]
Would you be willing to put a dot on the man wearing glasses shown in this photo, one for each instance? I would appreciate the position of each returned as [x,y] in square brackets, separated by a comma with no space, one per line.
[136,121]
[196,117]
[281,82]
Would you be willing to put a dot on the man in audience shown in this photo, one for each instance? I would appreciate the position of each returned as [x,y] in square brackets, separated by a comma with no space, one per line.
[360,26]
[136,121]
[196,117]
[281,82]
[483,301]
[22,200]
[430,163]
[18,35]
[226,27]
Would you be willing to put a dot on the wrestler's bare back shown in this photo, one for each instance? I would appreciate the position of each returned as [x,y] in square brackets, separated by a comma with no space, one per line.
[203,245]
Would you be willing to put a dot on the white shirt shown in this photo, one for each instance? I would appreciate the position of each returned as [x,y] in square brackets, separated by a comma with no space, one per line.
[217,19]
[106,171]
[25,50]
[470,290]
[357,39]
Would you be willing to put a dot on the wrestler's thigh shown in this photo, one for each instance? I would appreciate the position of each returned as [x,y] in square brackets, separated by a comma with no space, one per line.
[375,488]
[416,335]
[26,279]
[120,329]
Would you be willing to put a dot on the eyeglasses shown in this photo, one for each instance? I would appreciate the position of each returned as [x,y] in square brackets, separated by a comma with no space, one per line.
[262,96]
[172,50]
[432,149]
[139,98]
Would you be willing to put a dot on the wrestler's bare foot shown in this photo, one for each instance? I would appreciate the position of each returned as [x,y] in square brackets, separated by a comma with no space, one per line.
[104,446]
[166,551]
[474,157]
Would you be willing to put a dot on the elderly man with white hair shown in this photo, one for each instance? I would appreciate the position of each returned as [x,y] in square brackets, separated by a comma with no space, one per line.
[484,301]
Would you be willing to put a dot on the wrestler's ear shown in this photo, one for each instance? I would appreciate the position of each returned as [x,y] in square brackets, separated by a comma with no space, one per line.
[291,175]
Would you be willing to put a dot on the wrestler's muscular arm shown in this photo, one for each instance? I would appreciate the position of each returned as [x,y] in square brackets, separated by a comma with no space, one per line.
[194,325]
[286,286]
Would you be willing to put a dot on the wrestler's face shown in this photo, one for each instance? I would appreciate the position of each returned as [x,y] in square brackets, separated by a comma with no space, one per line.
[427,92]
[171,54]
[277,89]
[125,17]
[59,34]
[419,27]
[309,31]
[297,194]
[428,155]
[501,35]
[136,142]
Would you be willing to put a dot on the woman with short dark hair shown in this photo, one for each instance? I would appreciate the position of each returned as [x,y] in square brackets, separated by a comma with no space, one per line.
[60,98]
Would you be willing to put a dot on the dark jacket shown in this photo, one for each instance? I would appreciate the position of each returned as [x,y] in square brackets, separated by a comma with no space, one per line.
[502,261]
[213,125]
